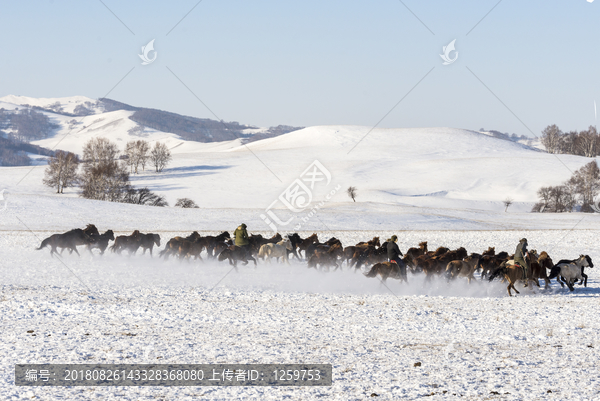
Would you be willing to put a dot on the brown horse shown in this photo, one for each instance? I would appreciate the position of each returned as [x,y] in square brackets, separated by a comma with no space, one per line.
[374,242]
[306,242]
[440,251]
[131,243]
[415,252]
[70,240]
[463,268]
[370,256]
[489,263]
[387,270]
[172,247]
[194,248]
[512,273]
[147,241]
[491,251]
[234,254]
[436,263]
[326,256]
[539,265]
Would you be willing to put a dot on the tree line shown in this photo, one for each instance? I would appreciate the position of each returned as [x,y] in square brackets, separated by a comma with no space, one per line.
[104,171]
[583,143]
[577,193]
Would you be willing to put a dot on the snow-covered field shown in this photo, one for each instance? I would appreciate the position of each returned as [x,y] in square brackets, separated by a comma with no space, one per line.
[473,341]
[440,185]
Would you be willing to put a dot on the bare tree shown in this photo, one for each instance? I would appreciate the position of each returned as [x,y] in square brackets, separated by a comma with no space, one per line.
[585,183]
[137,154]
[143,149]
[160,156]
[551,138]
[131,155]
[186,203]
[351,191]
[143,196]
[507,202]
[98,151]
[587,142]
[103,178]
[61,172]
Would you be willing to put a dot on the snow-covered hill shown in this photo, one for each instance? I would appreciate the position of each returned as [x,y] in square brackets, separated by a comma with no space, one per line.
[64,104]
[458,173]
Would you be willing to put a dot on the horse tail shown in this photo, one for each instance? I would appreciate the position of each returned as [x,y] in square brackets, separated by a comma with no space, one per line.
[45,243]
[501,271]
[554,272]
[163,252]
[373,272]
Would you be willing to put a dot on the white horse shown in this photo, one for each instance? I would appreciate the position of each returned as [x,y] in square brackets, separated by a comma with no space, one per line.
[278,250]
[571,272]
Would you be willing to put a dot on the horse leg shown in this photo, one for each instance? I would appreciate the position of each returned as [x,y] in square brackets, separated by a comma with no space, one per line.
[562,280]
[584,280]
[511,284]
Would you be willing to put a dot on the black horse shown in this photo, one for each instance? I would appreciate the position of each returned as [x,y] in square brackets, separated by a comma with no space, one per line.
[296,241]
[147,241]
[235,253]
[70,239]
[101,241]
[214,241]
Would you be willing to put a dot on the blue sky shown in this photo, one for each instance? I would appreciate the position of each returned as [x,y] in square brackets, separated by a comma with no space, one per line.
[524,66]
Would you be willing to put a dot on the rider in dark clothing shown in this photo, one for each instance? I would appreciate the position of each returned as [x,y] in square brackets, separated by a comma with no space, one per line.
[520,253]
[394,254]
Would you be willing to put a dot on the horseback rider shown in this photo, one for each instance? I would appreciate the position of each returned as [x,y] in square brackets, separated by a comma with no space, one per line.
[241,238]
[394,254]
[520,253]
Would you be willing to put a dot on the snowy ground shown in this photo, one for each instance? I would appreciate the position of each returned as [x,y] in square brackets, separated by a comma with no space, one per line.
[440,185]
[473,342]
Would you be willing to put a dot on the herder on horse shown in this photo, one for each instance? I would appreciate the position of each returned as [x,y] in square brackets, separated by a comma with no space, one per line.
[520,253]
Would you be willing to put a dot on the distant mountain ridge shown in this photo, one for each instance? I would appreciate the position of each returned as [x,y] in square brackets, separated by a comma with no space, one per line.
[188,128]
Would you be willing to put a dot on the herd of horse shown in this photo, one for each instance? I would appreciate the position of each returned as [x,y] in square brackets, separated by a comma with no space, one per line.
[332,254]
